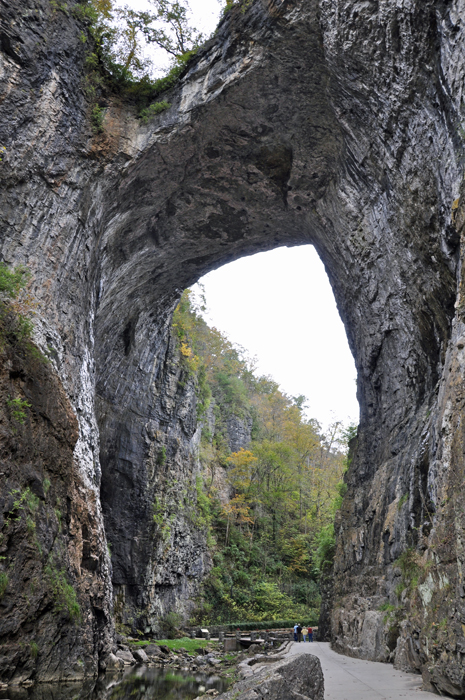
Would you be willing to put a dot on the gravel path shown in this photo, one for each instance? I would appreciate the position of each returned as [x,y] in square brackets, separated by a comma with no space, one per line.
[355,679]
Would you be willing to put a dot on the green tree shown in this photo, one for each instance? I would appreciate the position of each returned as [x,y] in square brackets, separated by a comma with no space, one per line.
[273,516]
[168,27]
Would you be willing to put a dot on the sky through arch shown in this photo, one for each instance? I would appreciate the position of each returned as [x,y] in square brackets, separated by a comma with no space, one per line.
[280,307]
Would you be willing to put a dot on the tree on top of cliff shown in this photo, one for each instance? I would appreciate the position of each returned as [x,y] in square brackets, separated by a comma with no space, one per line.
[122,35]
[121,44]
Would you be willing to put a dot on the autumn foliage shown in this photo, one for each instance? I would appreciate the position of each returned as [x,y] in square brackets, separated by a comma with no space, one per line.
[271,504]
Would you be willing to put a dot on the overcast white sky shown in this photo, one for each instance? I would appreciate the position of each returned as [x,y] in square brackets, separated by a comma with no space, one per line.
[279,306]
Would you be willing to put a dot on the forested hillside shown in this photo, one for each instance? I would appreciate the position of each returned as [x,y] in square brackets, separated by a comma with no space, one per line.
[269,506]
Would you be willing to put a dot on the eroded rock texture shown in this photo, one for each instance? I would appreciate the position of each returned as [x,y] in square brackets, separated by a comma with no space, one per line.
[302,673]
[331,122]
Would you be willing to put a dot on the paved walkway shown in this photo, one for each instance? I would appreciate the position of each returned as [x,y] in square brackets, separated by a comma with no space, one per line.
[354,679]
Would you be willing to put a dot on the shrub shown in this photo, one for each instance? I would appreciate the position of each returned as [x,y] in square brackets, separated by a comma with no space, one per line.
[410,567]
[25,501]
[169,624]
[203,515]
[272,624]
[18,408]
[325,545]
[12,281]
[268,598]
[98,115]
[152,110]
[15,327]
[64,595]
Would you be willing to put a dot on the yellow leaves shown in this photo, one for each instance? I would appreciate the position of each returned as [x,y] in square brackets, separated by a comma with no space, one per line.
[186,350]
[191,360]
[184,326]
[237,510]
[243,463]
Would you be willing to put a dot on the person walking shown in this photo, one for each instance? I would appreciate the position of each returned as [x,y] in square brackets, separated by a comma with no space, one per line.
[310,634]
[295,631]
[304,633]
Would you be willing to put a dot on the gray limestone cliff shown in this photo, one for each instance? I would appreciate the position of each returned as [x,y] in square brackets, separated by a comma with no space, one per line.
[336,123]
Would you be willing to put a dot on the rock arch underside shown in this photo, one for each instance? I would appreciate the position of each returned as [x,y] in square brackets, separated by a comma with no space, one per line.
[330,122]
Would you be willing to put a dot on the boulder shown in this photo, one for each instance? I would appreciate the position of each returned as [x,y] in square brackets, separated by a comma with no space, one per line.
[125,656]
[302,673]
[254,649]
[140,656]
[113,662]
[153,650]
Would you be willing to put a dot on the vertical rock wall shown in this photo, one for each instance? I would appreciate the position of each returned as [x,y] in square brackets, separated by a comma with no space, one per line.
[159,552]
[54,598]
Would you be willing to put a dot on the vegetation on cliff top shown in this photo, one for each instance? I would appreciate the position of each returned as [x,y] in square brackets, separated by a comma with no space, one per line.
[120,40]
[269,507]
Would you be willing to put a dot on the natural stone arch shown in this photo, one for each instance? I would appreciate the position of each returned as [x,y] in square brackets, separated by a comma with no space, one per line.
[258,152]
[327,122]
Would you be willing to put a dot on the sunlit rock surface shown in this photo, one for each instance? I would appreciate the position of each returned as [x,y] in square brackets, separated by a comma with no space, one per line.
[336,123]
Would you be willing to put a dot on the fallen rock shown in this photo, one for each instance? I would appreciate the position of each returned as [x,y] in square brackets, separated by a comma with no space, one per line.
[140,656]
[113,663]
[125,656]
[302,674]
[254,649]
[153,650]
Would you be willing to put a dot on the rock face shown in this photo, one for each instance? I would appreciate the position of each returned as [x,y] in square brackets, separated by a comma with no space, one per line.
[159,555]
[54,583]
[330,122]
[239,432]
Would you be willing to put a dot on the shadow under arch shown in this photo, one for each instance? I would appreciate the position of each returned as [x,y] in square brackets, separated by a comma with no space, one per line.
[274,138]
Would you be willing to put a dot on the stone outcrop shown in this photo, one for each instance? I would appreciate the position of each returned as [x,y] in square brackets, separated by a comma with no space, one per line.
[330,122]
[239,432]
[300,677]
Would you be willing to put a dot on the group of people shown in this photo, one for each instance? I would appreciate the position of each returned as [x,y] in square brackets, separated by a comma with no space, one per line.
[304,632]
